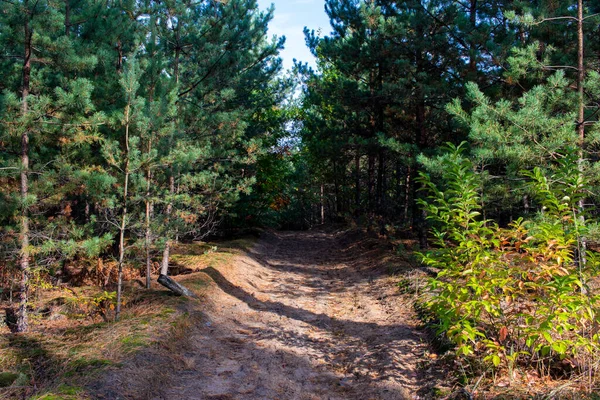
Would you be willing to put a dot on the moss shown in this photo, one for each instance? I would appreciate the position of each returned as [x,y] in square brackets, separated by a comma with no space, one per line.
[196,283]
[85,363]
[7,378]
[69,390]
[166,312]
[438,393]
[86,329]
[63,392]
[74,350]
[133,342]
[241,244]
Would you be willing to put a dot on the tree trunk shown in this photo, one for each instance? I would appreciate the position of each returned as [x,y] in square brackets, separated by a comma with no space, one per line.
[472,50]
[164,265]
[379,128]
[177,52]
[581,125]
[370,176]
[148,201]
[380,181]
[164,268]
[419,214]
[357,179]
[22,317]
[67,17]
[322,204]
[407,191]
[123,219]
[398,186]
[119,64]
[148,234]
[336,189]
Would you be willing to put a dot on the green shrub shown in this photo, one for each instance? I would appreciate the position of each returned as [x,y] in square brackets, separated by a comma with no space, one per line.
[516,296]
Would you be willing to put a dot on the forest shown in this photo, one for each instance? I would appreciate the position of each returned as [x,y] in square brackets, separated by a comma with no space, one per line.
[441,158]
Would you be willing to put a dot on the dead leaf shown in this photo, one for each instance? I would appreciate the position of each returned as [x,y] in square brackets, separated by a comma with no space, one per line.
[503,333]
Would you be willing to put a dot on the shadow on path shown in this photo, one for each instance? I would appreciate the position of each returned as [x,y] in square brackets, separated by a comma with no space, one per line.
[355,347]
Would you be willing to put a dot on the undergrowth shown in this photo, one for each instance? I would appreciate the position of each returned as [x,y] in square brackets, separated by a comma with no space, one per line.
[519,303]
[74,341]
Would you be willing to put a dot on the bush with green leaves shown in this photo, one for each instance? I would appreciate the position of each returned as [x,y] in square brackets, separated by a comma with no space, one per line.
[520,296]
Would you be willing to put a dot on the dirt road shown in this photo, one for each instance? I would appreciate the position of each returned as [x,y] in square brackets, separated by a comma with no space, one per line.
[304,315]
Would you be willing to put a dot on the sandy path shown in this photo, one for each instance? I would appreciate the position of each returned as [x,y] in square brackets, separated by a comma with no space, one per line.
[296,320]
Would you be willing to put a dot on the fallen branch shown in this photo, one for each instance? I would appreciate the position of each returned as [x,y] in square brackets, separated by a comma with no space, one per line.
[175,287]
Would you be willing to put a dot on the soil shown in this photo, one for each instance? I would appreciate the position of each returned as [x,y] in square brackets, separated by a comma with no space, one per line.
[302,315]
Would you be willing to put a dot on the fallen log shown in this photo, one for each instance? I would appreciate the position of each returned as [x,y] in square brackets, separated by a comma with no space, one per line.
[175,287]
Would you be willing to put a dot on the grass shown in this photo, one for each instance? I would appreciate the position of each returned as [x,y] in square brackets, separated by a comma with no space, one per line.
[59,358]
[133,342]
[75,353]
[200,255]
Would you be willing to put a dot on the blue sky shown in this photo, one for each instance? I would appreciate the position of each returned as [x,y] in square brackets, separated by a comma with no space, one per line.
[291,16]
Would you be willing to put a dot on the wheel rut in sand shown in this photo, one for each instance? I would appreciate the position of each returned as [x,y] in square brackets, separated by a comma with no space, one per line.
[302,316]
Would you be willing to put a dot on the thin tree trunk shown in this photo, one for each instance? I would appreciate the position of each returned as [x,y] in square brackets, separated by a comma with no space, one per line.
[472,50]
[87,212]
[336,189]
[148,234]
[164,265]
[581,124]
[148,201]
[580,79]
[370,177]
[357,179]
[123,218]
[177,53]
[67,17]
[119,64]
[419,213]
[398,186]
[380,181]
[335,209]
[407,191]
[322,204]
[22,317]
[379,128]
[164,268]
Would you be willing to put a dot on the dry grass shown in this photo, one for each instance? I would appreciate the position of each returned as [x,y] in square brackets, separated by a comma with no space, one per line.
[193,257]
[70,346]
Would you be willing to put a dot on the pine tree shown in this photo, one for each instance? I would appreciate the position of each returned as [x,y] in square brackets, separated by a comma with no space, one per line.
[48,118]
[387,70]
[127,158]
[227,62]
[536,127]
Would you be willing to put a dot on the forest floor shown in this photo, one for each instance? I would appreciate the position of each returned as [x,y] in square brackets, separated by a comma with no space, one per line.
[297,315]
[326,314]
